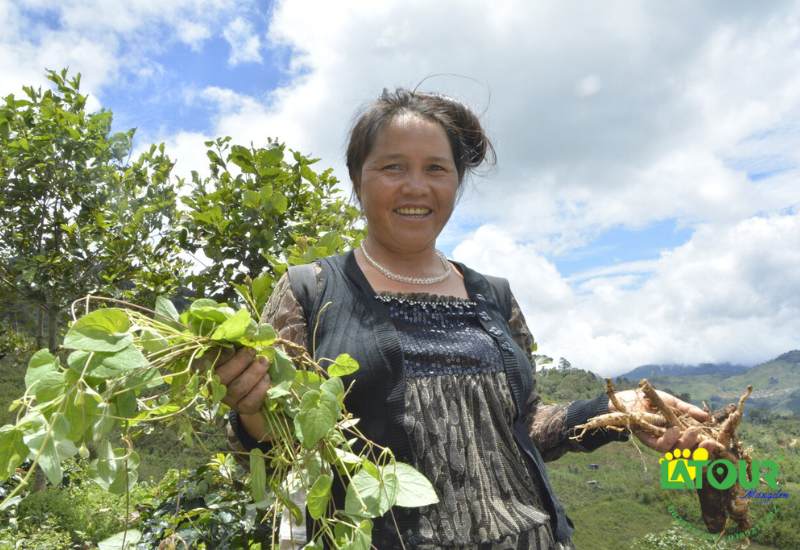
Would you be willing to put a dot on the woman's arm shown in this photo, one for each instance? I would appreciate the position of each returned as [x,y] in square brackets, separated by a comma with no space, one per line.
[550,425]
[285,314]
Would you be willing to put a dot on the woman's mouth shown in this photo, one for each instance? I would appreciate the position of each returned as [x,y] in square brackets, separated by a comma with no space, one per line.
[417,212]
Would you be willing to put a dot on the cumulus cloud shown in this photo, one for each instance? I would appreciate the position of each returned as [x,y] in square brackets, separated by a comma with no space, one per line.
[732,293]
[245,43]
[110,43]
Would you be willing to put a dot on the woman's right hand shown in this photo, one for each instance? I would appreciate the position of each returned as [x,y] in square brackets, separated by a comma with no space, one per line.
[246,378]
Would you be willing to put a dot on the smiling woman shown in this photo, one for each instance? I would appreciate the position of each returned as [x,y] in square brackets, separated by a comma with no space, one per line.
[446,378]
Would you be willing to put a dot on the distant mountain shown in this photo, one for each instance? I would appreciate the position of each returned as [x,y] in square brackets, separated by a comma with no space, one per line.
[776,383]
[647,371]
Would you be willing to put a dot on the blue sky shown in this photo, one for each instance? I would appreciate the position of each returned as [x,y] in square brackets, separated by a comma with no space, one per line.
[645,201]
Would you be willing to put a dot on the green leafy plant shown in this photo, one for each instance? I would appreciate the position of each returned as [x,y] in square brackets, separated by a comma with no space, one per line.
[260,210]
[78,216]
[130,366]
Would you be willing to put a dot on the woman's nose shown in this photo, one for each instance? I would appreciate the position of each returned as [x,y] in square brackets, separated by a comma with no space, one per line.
[416,182]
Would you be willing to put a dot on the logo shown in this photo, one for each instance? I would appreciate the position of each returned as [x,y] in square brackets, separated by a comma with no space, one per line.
[682,469]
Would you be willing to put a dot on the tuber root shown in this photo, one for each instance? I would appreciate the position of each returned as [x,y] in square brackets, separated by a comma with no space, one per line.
[717,506]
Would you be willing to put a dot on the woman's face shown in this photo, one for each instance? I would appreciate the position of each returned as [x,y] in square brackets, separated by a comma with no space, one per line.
[408,184]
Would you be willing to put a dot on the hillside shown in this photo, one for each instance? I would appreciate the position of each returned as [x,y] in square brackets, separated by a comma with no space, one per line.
[648,371]
[776,383]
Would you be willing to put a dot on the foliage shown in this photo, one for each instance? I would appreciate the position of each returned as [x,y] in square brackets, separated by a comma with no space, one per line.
[76,216]
[120,354]
[761,415]
[257,213]
[203,508]
[558,385]
[46,535]
[675,537]
[77,507]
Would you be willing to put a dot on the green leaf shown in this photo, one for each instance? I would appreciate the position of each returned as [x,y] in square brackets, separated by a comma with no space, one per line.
[49,387]
[258,475]
[102,422]
[361,538]
[105,330]
[259,335]
[40,364]
[308,174]
[13,450]
[315,418]
[234,328]
[112,471]
[270,156]
[343,366]
[335,387]
[125,403]
[127,540]
[167,313]
[153,342]
[414,489]
[218,390]
[55,449]
[319,496]
[279,202]
[307,380]
[81,411]
[376,498]
[281,368]
[107,365]
[261,288]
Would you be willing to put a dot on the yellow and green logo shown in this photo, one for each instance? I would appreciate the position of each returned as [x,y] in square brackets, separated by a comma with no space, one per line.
[683,469]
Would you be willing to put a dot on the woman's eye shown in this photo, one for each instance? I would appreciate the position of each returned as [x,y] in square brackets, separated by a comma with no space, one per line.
[436,167]
[391,167]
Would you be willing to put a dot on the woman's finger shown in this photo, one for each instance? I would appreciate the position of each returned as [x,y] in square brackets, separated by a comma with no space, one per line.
[661,444]
[234,366]
[250,403]
[247,390]
[216,356]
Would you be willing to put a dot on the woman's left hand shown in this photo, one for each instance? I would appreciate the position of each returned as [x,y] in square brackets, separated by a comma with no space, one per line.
[634,401]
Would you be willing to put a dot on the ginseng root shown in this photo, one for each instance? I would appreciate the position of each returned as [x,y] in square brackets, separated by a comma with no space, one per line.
[717,505]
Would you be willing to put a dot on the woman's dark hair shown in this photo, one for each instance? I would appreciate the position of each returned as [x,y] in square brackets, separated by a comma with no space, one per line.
[468,141]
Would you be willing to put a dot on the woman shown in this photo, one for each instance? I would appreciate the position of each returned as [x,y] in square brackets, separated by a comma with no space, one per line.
[446,378]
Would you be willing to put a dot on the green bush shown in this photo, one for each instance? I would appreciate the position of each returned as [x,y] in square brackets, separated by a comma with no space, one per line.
[78,509]
[212,510]
[675,538]
[44,536]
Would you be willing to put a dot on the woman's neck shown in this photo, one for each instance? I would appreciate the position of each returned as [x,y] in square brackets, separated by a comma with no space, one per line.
[420,264]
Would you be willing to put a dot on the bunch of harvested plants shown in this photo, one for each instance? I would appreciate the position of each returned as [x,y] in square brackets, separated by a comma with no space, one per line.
[717,505]
[128,366]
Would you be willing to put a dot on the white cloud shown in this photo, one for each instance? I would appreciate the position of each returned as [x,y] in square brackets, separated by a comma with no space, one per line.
[732,293]
[110,43]
[245,43]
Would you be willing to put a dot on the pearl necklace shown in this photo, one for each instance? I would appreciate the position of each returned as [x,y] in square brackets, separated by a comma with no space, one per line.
[410,280]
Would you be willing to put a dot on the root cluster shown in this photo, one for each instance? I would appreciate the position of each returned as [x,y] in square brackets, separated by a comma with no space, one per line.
[716,505]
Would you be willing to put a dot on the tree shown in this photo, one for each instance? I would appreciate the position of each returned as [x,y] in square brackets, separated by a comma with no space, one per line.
[76,216]
[761,415]
[258,213]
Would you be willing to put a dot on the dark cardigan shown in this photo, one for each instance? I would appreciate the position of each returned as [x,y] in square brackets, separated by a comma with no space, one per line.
[354,321]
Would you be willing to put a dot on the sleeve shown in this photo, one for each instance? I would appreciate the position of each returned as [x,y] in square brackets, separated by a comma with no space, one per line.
[285,314]
[550,426]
